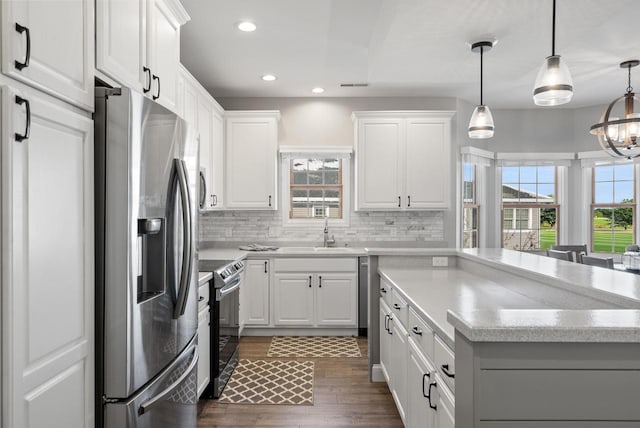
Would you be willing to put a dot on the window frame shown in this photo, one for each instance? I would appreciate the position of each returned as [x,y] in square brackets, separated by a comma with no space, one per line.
[593,205]
[473,205]
[344,177]
[527,205]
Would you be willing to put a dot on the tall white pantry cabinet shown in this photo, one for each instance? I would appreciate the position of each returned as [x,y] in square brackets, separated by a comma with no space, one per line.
[47,214]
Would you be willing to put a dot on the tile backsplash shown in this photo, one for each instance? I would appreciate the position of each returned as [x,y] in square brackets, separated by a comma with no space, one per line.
[267,226]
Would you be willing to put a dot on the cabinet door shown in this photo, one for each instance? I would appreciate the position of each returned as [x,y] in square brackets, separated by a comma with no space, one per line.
[427,164]
[251,148]
[163,52]
[445,415]
[61,36]
[379,168]
[254,293]
[216,164]
[336,300]
[293,299]
[419,374]
[121,41]
[398,348]
[384,340]
[47,265]
[204,350]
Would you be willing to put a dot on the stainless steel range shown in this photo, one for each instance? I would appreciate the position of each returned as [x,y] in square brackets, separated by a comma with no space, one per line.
[225,328]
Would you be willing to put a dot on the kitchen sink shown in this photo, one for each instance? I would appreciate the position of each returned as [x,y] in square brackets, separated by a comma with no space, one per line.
[326,250]
[333,249]
[297,249]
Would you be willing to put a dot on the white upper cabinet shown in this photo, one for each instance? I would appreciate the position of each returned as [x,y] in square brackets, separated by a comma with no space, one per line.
[251,154]
[138,45]
[121,36]
[47,251]
[50,45]
[198,107]
[402,160]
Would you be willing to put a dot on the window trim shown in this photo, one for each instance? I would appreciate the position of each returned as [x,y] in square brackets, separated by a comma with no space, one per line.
[474,204]
[286,177]
[339,186]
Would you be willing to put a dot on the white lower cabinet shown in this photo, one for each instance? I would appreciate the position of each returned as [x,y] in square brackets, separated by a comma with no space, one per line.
[254,293]
[204,350]
[419,413]
[423,398]
[315,292]
[47,251]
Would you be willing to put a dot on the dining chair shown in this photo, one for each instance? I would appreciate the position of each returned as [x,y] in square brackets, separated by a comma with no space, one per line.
[561,255]
[577,249]
[605,262]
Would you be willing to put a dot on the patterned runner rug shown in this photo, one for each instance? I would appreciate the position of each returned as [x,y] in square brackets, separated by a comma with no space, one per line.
[270,382]
[313,347]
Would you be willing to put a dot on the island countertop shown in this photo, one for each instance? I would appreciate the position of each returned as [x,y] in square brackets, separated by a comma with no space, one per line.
[519,297]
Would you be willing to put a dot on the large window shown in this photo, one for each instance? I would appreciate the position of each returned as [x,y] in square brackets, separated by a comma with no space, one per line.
[612,208]
[470,209]
[530,218]
[315,189]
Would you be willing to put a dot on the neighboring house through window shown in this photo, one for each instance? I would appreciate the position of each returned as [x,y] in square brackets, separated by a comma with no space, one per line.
[530,209]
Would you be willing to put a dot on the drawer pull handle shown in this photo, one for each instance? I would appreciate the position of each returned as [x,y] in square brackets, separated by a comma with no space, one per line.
[147,71]
[399,201]
[386,323]
[416,330]
[390,319]
[309,281]
[27,127]
[427,375]
[396,307]
[200,299]
[383,290]
[17,64]
[320,281]
[433,406]
[155,97]
[445,370]
[265,267]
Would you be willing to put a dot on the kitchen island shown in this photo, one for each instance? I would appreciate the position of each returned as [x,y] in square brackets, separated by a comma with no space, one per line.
[497,338]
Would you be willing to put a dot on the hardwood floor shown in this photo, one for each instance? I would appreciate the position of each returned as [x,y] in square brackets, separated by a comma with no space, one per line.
[343,397]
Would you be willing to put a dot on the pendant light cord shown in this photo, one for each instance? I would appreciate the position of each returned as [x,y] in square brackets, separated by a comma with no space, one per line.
[629,87]
[553,30]
[481,55]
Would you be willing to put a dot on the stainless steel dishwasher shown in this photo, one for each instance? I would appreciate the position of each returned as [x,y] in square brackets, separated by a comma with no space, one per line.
[363,295]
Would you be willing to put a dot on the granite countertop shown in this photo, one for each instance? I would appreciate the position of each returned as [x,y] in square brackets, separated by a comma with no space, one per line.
[530,298]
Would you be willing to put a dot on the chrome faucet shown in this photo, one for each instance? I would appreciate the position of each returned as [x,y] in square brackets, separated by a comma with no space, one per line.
[328,242]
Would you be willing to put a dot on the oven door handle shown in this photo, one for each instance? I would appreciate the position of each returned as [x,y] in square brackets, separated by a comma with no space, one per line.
[228,289]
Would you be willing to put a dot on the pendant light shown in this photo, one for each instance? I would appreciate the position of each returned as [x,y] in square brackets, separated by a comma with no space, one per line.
[619,135]
[481,123]
[554,85]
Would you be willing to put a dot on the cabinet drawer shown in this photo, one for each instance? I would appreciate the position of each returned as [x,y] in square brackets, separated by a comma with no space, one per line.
[385,291]
[446,412]
[316,265]
[400,308]
[203,296]
[445,362]
[420,333]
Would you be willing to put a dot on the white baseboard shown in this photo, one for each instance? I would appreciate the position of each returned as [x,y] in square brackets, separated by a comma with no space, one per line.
[269,331]
[376,374]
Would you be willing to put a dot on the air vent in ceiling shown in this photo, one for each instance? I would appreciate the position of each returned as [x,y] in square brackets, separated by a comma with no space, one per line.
[354,85]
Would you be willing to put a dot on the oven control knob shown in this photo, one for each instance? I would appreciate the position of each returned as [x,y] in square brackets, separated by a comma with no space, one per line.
[238,265]
[223,275]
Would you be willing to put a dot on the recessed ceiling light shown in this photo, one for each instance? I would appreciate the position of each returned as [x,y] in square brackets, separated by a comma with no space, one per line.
[317,90]
[246,26]
[269,77]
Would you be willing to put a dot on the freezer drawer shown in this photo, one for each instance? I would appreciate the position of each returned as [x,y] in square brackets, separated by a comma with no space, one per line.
[168,401]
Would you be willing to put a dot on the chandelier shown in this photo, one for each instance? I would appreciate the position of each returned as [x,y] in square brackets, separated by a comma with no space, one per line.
[619,126]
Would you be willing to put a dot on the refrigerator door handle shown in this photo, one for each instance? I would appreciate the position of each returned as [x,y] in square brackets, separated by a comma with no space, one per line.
[147,405]
[187,262]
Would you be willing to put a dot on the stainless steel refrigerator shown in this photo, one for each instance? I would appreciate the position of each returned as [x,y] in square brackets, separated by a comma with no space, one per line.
[146,161]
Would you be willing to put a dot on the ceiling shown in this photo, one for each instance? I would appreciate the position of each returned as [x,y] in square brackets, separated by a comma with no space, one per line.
[409,47]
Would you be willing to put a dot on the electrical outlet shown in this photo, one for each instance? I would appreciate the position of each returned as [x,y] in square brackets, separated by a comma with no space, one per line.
[440,262]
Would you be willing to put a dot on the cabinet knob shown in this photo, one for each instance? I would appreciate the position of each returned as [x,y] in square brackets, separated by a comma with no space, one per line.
[20,65]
